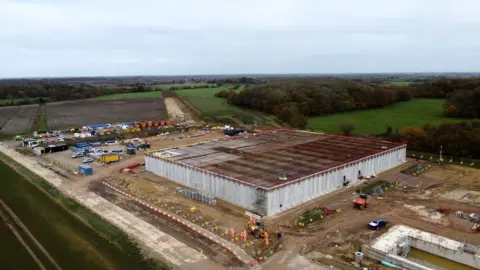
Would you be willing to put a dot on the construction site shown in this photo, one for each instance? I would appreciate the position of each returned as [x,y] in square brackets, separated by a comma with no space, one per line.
[273,171]
[274,199]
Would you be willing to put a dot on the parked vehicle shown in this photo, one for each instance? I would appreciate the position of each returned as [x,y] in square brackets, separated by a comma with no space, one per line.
[78,154]
[377,224]
[88,160]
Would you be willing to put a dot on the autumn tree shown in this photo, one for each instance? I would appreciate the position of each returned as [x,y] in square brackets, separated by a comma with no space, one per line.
[347,128]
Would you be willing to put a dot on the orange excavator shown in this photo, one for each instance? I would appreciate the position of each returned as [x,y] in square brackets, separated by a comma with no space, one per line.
[361,201]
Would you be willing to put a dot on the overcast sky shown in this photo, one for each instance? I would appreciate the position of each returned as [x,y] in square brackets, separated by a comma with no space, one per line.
[168,37]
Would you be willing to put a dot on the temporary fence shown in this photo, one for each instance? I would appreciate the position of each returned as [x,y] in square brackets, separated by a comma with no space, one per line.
[61,165]
[444,159]
[251,262]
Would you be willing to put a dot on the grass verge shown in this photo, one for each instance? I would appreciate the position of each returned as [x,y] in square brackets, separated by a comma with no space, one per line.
[76,237]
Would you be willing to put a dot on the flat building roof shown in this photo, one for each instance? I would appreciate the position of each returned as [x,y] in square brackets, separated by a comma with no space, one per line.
[263,158]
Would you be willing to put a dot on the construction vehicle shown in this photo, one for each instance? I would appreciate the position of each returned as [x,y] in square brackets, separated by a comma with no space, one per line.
[257,228]
[360,202]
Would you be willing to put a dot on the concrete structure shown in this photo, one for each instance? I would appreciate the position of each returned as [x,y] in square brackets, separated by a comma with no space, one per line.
[394,245]
[275,170]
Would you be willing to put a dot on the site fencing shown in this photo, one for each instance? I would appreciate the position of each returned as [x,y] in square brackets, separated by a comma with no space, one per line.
[446,159]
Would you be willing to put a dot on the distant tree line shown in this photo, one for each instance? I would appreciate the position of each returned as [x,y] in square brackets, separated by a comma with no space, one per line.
[292,101]
[240,80]
[295,99]
[457,139]
[463,95]
[191,86]
[30,93]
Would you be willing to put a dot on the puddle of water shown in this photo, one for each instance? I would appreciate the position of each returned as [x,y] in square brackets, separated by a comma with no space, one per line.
[430,260]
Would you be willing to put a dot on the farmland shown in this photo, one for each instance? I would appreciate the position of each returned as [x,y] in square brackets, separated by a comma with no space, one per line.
[138,95]
[88,112]
[218,109]
[399,83]
[72,243]
[411,113]
[17,256]
[179,85]
[17,119]
[3,101]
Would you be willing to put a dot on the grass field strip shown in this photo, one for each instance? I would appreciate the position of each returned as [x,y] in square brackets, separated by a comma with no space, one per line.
[10,218]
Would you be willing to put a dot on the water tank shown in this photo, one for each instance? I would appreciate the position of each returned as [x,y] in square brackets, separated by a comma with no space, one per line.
[358,256]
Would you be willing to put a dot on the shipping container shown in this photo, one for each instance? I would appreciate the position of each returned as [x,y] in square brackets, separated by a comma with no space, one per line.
[109,158]
[56,148]
[85,170]
[82,145]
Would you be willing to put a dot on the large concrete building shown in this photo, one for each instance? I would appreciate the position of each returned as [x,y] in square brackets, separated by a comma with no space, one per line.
[272,171]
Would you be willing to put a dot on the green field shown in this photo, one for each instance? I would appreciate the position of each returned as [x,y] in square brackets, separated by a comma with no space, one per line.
[153,94]
[12,254]
[167,86]
[218,110]
[3,101]
[410,113]
[74,244]
[400,83]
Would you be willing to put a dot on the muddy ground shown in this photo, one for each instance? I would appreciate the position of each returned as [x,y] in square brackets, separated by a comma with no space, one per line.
[182,233]
[421,205]
[17,119]
[427,202]
[90,112]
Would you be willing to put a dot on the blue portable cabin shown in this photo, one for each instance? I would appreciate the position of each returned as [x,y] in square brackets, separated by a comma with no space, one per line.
[95,127]
[131,146]
[85,170]
[117,151]
[82,145]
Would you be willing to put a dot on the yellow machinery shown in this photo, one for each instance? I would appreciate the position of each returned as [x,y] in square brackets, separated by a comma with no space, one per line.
[257,228]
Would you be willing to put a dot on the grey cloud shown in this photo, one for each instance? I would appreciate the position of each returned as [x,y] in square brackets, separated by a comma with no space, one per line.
[78,38]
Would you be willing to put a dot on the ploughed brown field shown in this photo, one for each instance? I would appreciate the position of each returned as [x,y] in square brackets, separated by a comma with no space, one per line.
[90,112]
[17,119]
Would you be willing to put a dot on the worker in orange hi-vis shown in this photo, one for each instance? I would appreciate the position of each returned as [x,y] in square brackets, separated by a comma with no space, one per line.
[233,233]
[266,241]
[245,235]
